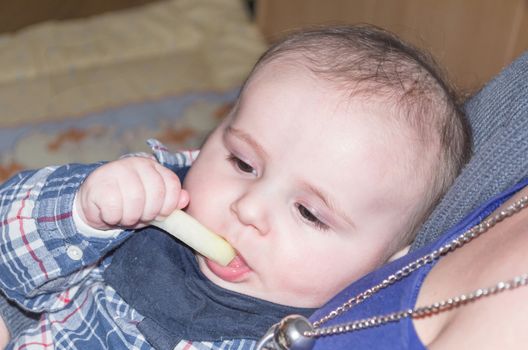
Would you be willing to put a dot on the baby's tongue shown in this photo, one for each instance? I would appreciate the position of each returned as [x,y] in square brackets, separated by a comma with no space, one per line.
[233,272]
[237,262]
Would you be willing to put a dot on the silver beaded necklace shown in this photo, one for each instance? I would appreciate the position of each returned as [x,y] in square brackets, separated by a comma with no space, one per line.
[295,332]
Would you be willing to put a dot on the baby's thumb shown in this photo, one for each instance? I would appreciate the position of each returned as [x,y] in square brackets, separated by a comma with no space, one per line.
[183,199]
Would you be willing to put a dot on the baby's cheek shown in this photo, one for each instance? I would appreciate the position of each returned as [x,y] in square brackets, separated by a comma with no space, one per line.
[297,269]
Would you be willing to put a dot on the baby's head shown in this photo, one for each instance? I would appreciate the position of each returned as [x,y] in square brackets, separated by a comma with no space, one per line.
[340,143]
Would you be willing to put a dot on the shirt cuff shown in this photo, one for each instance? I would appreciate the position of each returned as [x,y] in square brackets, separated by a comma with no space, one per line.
[88,231]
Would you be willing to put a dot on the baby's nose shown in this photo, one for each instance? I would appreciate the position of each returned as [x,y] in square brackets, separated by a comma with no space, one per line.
[252,208]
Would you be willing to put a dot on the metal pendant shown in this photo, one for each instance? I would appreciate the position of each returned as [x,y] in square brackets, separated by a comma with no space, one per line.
[288,334]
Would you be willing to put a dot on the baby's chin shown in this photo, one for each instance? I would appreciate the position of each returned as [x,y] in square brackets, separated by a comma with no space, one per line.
[238,285]
[236,277]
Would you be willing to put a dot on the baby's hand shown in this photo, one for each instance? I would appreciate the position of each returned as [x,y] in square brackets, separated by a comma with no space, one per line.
[129,193]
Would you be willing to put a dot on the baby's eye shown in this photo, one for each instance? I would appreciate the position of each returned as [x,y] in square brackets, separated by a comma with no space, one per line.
[241,165]
[311,218]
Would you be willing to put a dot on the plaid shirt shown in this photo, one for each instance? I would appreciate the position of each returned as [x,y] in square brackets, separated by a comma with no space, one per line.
[48,267]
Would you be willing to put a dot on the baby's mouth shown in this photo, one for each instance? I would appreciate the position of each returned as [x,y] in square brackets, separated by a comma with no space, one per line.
[233,272]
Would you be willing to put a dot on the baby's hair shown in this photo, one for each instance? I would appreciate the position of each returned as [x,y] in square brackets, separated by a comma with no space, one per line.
[368,61]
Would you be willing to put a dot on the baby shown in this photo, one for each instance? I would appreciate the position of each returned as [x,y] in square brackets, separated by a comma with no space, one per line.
[339,145]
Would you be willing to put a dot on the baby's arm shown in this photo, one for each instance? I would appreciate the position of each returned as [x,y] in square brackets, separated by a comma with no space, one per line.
[31,195]
[42,251]
[37,234]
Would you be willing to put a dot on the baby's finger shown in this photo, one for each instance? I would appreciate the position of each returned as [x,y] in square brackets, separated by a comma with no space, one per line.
[108,203]
[100,195]
[172,195]
[89,212]
[133,194]
[184,199]
[155,192]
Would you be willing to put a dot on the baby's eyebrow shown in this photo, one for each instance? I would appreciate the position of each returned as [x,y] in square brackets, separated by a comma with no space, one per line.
[329,203]
[247,138]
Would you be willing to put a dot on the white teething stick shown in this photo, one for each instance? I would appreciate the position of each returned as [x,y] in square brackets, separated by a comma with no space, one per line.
[187,229]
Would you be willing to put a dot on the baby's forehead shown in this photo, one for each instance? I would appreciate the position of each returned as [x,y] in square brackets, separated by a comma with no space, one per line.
[379,106]
[349,87]
[362,103]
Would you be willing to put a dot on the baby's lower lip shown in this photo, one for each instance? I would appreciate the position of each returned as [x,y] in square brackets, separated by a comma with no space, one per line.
[233,272]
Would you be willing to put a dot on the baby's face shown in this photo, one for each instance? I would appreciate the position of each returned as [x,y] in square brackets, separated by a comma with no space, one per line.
[307,186]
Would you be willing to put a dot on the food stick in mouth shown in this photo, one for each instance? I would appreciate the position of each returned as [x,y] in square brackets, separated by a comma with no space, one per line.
[188,230]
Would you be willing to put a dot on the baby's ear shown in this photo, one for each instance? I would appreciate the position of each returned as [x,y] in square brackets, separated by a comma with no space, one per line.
[399,253]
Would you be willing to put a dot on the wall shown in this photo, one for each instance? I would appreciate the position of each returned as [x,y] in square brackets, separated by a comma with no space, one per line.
[474,39]
[17,14]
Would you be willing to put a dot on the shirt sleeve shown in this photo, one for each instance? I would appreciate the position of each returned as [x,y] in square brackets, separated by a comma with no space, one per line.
[174,161]
[42,252]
